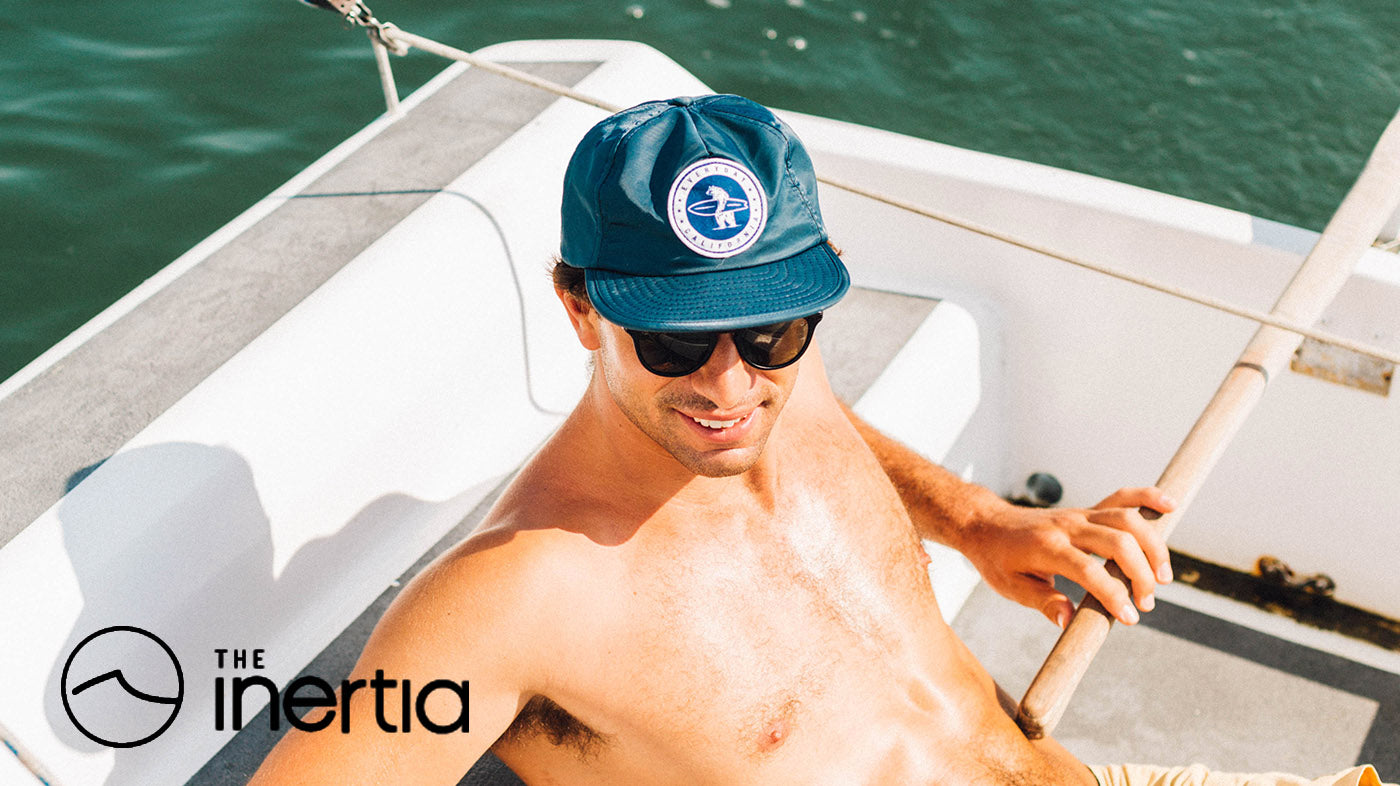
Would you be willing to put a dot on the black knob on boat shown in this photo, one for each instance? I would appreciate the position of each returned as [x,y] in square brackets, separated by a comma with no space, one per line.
[1042,491]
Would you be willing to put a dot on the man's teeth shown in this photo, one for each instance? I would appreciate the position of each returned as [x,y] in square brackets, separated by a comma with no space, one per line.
[716,424]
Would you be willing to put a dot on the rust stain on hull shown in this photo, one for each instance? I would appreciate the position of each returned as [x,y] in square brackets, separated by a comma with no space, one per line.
[1298,600]
[1343,367]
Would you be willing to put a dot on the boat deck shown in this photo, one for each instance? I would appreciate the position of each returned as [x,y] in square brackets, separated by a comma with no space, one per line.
[1185,687]
[241,328]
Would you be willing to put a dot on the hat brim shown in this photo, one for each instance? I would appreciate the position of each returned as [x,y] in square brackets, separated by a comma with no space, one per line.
[802,284]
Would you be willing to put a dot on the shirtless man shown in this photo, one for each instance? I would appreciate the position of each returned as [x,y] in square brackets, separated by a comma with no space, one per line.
[712,574]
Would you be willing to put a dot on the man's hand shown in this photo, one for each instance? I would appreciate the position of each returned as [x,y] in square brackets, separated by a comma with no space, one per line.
[1019,551]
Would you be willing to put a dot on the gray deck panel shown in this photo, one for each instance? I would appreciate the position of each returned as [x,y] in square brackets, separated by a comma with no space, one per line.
[1183,687]
[860,335]
[79,411]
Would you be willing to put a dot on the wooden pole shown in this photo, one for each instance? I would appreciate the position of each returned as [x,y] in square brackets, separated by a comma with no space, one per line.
[1352,230]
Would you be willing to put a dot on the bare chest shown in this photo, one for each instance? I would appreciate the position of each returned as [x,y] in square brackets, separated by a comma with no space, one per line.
[773,636]
[797,644]
[804,649]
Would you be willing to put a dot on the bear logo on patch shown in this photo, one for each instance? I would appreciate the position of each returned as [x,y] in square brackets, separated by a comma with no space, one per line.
[717,208]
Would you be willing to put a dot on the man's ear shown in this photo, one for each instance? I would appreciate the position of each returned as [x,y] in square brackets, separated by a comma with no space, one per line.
[583,318]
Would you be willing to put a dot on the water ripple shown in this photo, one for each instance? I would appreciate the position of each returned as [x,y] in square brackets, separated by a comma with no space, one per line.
[242,141]
[76,45]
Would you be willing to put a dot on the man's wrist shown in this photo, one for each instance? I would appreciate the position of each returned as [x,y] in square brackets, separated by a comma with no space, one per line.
[981,508]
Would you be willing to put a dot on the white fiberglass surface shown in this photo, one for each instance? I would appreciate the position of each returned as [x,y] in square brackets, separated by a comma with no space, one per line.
[270,506]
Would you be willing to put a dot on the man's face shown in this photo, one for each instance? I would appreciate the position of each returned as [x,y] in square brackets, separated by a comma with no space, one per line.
[715,422]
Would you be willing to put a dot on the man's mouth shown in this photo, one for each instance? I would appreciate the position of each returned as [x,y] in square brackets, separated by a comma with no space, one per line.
[716,424]
[720,428]
[733,428]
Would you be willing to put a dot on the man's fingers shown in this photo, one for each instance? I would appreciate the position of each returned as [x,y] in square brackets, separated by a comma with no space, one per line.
[1058,610]
[1144,497]
[1097,581]
[1067,542]
[1040,593]
[1124,537]
[1128,519]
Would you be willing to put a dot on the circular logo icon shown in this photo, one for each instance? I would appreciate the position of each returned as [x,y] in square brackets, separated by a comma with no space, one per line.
[122,686]
[717,208]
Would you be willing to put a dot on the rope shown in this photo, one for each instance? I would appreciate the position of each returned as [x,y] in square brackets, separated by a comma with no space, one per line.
[452,53]
[392,35]
[1209,301]
[386,74]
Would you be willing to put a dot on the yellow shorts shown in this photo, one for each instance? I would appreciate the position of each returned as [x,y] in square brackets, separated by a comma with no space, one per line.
[1196,775]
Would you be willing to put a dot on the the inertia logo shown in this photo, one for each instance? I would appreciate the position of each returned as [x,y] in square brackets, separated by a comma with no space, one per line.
[122,686]
[396,704]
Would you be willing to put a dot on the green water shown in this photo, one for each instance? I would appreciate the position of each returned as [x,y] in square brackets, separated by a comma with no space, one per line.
[130,130]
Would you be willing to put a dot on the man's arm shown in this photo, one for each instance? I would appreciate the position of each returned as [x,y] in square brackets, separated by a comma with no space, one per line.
[453,622]
[1019,550]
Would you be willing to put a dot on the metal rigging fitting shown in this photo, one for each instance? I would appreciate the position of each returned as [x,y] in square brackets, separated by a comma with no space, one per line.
[357,13]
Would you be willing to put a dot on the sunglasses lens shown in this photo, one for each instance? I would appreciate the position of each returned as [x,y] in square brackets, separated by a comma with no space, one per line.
[673,354]
[777,345]
[766,346]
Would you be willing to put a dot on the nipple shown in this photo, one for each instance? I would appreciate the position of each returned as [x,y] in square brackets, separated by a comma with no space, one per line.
[774,736]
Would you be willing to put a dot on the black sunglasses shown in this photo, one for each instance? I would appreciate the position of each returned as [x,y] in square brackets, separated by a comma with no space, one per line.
[767,346]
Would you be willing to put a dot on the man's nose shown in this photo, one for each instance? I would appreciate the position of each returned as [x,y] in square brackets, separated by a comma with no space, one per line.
[725,378]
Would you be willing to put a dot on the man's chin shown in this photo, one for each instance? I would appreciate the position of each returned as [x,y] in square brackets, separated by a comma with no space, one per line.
[721,463]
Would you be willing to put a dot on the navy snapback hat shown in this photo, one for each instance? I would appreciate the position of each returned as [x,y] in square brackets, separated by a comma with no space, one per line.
[698,214]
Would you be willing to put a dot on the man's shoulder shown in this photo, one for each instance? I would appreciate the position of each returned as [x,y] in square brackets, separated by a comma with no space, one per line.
[523,560]
[509,562]
[502,590]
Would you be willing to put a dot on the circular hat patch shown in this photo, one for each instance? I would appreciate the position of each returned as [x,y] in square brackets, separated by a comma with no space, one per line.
[717,208]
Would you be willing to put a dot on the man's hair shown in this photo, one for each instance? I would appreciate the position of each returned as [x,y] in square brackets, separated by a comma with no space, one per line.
[569,280]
